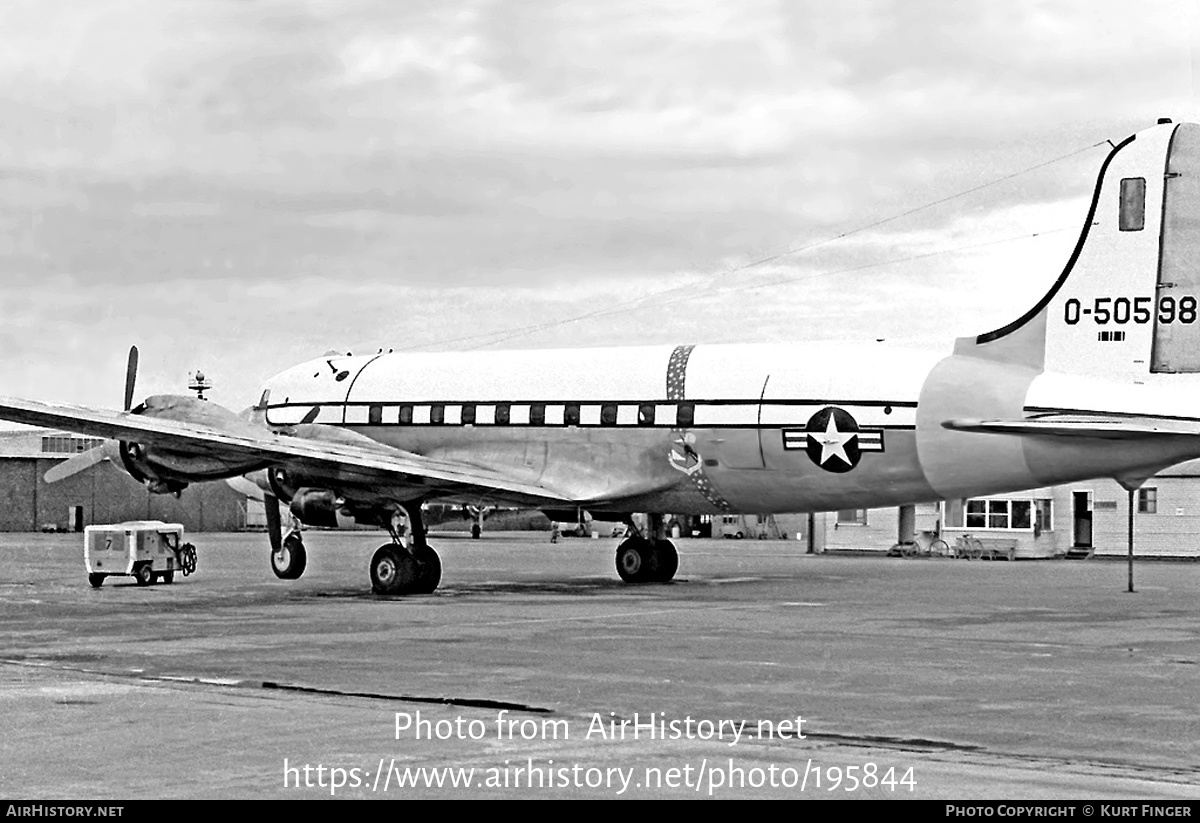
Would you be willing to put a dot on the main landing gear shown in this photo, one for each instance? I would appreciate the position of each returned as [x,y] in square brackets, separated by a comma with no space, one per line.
[289,560]
[647,559]
[288,557]
[412,569]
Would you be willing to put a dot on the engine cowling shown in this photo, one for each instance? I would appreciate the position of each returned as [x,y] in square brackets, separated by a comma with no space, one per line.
[321,507]
[165,471]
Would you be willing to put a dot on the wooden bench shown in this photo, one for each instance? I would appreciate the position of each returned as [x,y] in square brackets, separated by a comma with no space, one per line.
[999,548]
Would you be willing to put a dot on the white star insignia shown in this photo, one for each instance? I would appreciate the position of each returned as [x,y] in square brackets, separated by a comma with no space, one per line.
[833,442]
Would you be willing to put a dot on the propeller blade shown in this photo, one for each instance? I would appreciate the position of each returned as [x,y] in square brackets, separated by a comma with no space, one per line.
[130,376]
[110,449]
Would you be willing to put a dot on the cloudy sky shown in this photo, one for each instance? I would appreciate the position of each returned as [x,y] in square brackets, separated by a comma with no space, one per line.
[236,186]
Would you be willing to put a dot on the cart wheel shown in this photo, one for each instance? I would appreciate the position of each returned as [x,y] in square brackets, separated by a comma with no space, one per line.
[187,559]
[144,574]
[97,580]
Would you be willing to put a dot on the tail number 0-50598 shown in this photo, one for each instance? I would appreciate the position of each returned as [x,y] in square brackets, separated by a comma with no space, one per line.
[1121,310]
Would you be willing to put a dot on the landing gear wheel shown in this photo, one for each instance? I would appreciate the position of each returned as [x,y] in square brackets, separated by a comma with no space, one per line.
[144,574]
[167,577]
[289,562]
[668,561]
[429,571]
[395,571]
[97,580]
[637,562]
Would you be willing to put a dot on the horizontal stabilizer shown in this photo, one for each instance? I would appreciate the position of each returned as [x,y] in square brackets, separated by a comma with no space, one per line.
[1094,426]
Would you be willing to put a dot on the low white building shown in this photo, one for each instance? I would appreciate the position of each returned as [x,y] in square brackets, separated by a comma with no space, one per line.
[1084,519]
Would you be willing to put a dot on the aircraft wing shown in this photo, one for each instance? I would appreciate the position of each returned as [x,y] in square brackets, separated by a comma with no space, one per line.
[363,461]
[1102,427]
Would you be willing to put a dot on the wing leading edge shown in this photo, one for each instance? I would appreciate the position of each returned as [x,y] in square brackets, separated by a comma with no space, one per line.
[364,461]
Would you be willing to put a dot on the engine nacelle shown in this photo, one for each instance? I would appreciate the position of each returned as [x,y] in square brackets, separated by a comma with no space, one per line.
[169,472]
[321,507]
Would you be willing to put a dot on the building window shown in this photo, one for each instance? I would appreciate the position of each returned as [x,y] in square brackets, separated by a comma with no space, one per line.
[66,444]
[1007,515]
[1133,204]
[1148,500]
[1044,522]
[852,517]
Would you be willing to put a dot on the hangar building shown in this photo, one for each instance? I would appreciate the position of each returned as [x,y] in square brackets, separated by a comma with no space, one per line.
[104,493]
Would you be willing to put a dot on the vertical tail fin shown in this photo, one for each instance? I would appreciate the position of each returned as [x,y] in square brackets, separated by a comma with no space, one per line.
[1125,305]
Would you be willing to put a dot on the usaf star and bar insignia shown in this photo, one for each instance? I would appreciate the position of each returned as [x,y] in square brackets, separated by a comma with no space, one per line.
[833,440]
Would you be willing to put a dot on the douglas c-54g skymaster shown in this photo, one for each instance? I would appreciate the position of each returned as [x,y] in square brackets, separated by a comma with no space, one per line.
[1100,378]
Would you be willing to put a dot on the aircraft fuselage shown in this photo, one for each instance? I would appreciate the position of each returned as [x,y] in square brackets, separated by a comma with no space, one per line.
[713,428]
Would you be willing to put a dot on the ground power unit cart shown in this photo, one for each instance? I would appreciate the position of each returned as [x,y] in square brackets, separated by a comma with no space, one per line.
[149,550]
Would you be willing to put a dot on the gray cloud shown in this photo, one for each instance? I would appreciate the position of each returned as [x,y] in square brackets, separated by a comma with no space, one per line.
[287,176]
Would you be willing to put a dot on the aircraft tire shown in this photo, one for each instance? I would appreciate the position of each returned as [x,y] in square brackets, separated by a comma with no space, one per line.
[97,580]
[429,571]
[394,570]
[667,561]
[637,561]
[290,561]
[144,574]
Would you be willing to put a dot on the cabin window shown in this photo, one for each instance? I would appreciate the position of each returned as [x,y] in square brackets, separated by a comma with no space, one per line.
[686,415]
[608,414]
[503,414]
[571,414]
[468,414]
[437,414]
[1148,500]
[375,415]
[646,414]
[1133,204]
[537,414]
[406,414]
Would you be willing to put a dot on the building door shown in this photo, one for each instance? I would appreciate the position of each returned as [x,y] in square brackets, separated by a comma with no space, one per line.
[1082,532]
[75,518]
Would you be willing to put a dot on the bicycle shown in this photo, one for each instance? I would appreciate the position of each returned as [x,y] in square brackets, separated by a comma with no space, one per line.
[936,548]
[967,547]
